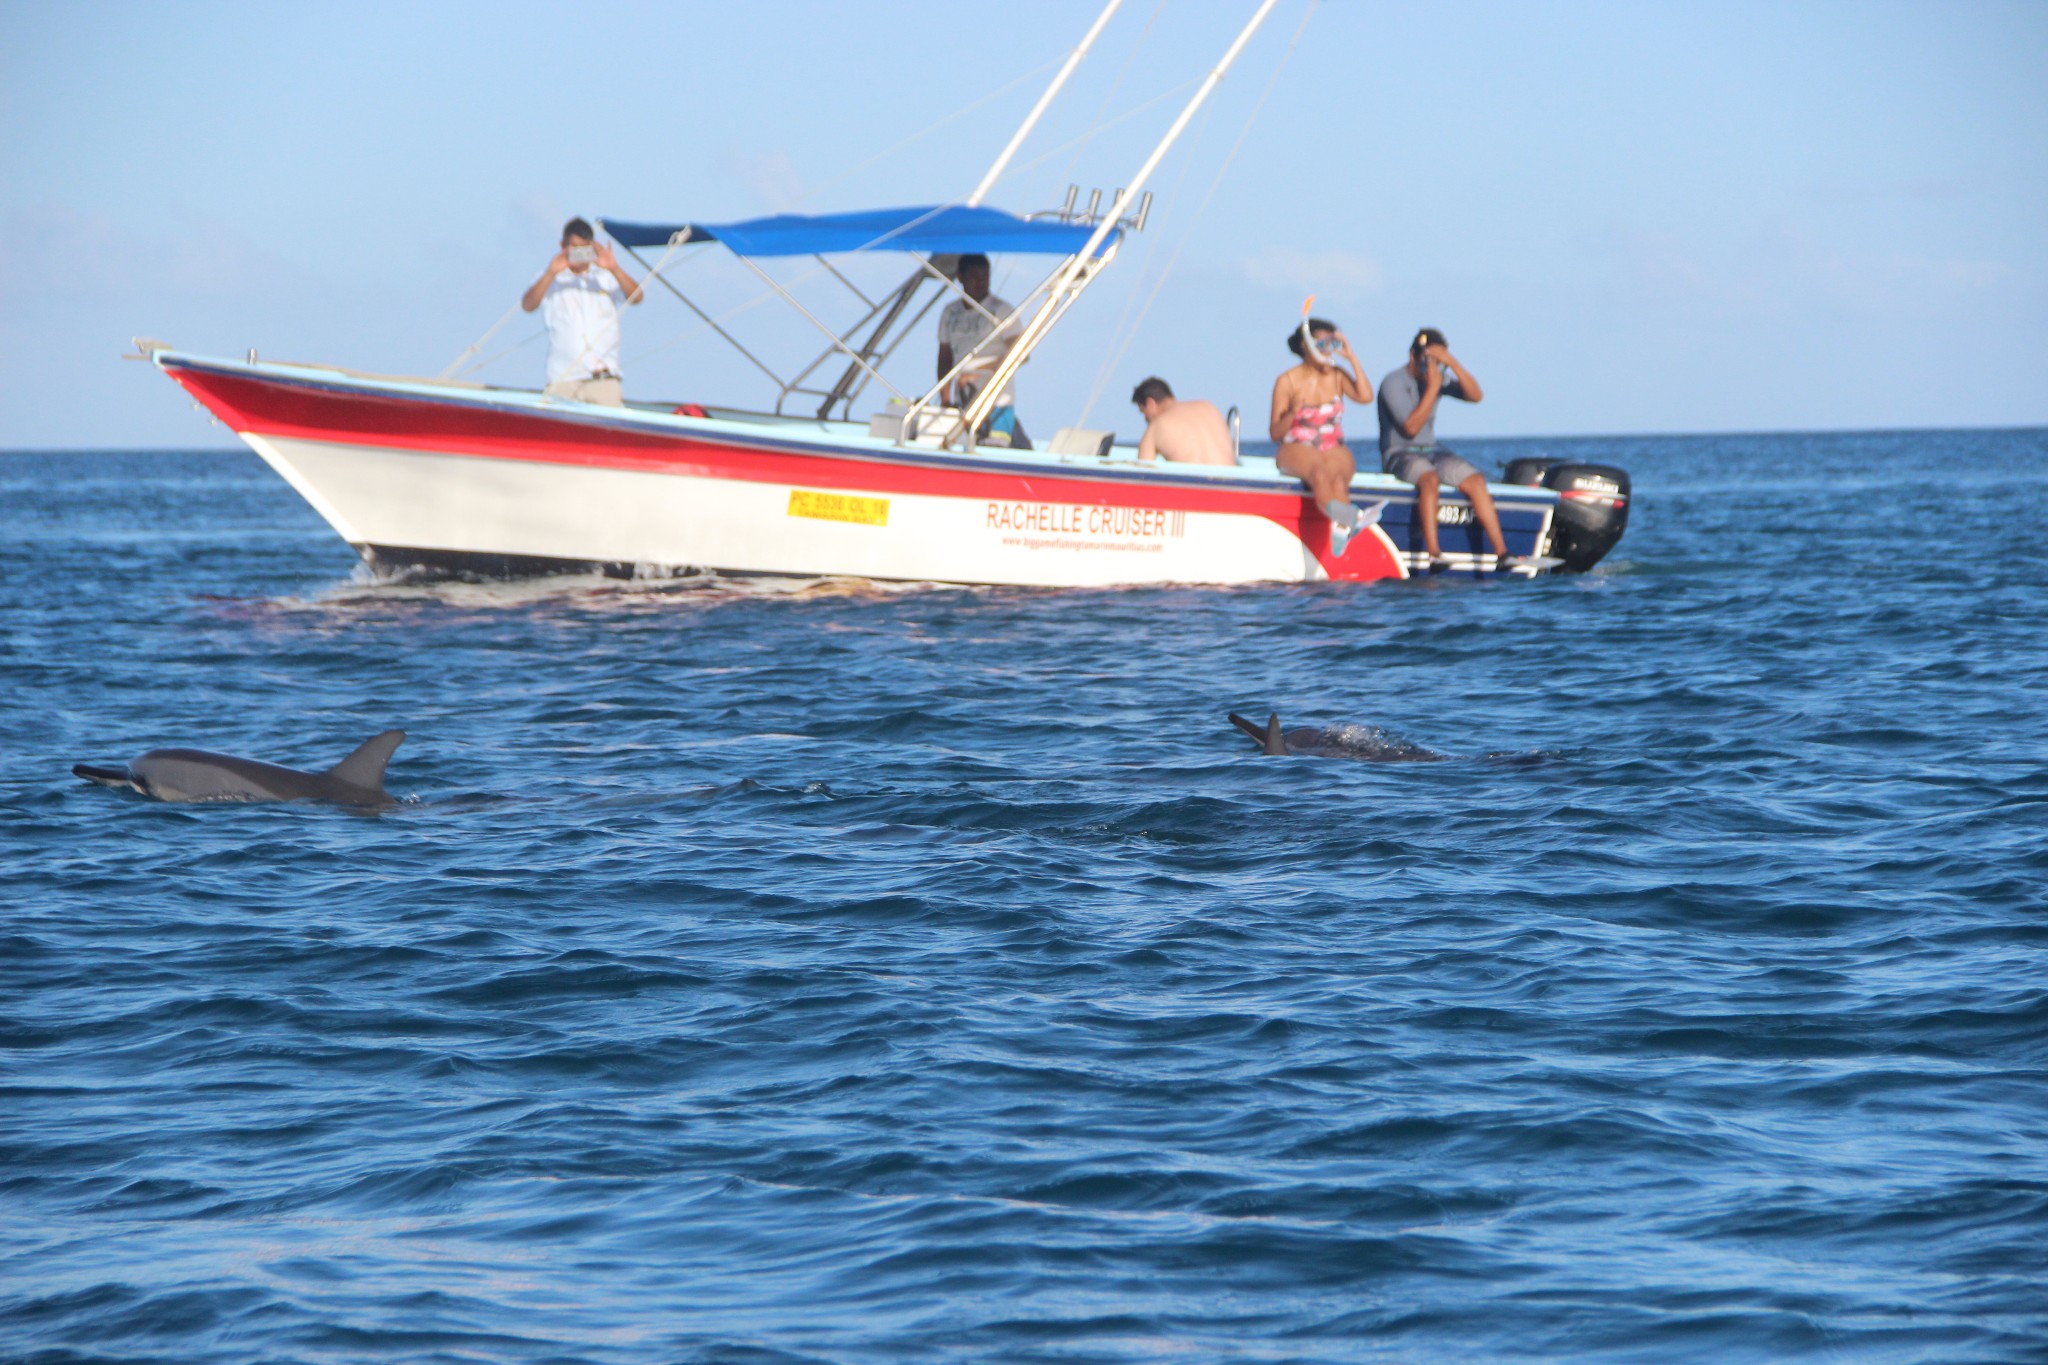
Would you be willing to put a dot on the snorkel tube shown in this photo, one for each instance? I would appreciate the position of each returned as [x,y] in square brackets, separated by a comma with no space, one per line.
[1308,340]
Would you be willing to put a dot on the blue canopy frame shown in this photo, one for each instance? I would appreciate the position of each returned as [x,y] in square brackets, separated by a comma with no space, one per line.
[937,229]
[928,234]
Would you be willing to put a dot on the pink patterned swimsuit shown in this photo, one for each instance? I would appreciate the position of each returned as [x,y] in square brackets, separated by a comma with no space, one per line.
[1321,426]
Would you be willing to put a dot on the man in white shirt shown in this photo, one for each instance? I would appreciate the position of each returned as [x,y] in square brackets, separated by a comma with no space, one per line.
[962,327]
[579,296]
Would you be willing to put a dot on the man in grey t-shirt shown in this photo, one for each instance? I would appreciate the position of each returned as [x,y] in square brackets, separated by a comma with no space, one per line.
[1408,448]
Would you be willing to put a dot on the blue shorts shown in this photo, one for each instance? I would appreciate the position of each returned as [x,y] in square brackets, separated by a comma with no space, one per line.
[1411,464]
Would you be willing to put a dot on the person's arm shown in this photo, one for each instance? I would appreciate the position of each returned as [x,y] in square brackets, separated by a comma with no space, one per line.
[1356,385]
[611,263]
[1468,387]
[1283,408]
[1007,335]
[1425,407]
[1148,449]
[945,367]
[538,290]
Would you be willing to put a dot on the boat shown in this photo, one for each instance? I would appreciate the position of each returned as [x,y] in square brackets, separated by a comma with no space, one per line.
[446,477]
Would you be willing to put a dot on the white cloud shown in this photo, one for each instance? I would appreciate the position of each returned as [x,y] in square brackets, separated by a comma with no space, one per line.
[1787,270]
[1313,272]
[770,176]
[63,252]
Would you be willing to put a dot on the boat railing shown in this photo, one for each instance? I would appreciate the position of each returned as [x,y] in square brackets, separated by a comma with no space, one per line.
[916,407]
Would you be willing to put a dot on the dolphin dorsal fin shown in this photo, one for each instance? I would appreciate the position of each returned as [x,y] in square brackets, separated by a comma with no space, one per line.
[1276,743]
[365,767]
[1258,736]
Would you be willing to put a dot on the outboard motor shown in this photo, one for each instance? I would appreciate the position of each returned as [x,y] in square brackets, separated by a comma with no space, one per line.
[1592,506]
[1530,469]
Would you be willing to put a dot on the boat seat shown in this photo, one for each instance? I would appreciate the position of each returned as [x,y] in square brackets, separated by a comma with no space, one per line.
[1081,441]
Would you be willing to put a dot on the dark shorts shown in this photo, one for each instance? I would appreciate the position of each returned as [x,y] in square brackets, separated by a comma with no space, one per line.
[1411,464]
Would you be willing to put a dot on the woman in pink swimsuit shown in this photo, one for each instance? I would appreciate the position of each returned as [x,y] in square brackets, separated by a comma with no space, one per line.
[1308,422]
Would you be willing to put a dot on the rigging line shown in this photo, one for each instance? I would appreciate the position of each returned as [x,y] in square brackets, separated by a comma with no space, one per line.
[481,365]
[1108,95]
[1214,185]
[916,138]
[456,364]
[1124,117]
[1125,328]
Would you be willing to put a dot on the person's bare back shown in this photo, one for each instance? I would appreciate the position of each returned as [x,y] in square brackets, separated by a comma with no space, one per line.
[1184,431]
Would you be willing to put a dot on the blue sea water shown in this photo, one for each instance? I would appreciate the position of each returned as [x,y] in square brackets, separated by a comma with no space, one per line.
[778,973]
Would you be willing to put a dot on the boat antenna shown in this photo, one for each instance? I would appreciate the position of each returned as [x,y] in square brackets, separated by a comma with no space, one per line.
[1074,277]
[1126,335]
[1002,162]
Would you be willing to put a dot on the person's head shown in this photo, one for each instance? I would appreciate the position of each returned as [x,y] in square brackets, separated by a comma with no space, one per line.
[1323,333]
[972,273]
[1151,396]
[1418,349]
[577,239]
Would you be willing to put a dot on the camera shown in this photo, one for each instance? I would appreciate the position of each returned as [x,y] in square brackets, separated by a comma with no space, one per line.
[582,255]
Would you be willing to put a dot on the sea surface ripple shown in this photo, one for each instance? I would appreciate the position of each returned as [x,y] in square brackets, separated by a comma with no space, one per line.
[767,972]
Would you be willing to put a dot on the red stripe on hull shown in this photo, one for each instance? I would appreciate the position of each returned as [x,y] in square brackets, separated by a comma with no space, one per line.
[320,412]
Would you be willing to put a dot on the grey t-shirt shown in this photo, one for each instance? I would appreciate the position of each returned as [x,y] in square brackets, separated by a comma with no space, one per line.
[1400,393]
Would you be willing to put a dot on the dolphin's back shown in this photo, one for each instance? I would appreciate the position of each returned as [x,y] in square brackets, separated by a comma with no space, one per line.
[196,775]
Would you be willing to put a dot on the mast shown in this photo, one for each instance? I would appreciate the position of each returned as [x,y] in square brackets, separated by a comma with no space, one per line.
[1081,270]
[842,391]
[1002,162]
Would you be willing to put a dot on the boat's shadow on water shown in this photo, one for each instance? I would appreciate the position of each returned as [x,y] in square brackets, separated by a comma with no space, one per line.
[373,593]
[593,591]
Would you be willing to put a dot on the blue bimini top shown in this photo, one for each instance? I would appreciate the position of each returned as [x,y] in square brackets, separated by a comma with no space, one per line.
[937,229]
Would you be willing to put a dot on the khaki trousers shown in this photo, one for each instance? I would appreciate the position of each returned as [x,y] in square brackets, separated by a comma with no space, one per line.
[605,391]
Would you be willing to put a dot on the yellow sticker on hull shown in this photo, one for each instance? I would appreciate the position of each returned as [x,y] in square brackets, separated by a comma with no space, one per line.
[838,507]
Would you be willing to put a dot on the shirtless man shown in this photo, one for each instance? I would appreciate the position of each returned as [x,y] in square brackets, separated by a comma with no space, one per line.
[1408,448]
[1187,431]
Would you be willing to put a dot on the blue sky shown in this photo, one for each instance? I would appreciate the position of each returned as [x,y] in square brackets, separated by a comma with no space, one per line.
[1628,217]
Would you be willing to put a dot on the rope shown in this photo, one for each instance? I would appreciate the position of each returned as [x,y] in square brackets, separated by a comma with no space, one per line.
[1221,171]
[1124,117]
[1097,125]
[1125,328]
[477,345]
[916,138]
[494,359]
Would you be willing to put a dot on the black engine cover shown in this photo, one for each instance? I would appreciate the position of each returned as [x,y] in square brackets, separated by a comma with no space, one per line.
[1592,507]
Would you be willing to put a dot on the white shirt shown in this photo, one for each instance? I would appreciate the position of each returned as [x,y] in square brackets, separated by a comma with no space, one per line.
[582,314]
[962,326]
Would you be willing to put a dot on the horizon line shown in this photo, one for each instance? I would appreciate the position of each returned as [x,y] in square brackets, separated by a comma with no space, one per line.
[1541,436]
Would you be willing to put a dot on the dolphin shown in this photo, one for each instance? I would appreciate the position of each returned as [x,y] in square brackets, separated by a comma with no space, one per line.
[195,775]
[1336,741]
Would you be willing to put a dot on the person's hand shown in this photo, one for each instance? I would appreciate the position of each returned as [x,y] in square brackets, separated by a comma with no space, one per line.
[559,264]
[605,257]
[1344,347]
[1440,354]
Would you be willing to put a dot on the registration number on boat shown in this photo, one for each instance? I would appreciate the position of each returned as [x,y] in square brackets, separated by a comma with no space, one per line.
[804,502]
